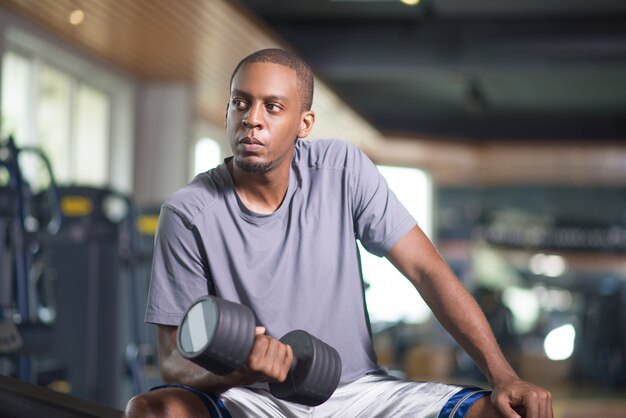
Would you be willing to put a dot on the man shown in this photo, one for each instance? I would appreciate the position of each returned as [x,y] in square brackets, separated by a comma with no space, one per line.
[274,228]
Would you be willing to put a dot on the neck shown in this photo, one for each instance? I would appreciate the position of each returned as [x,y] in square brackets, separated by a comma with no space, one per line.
[261,192]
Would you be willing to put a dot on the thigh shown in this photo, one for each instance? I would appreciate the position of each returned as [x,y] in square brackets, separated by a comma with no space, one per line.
[259,403]
[167,402]
[483,408]
[386,396]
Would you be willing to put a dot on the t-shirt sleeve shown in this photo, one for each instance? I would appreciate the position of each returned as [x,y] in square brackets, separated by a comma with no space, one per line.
[178,270]
[380,220]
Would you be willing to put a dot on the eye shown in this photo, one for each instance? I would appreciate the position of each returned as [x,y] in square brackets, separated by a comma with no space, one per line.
[239,104]
[273,107]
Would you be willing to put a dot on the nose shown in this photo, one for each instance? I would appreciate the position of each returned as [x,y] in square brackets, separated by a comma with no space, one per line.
[253,117]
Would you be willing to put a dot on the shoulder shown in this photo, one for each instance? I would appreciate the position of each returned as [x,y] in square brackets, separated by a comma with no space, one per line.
[330,153]
[199,195]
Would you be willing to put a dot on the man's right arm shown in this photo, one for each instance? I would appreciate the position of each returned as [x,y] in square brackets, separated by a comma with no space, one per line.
[269,360]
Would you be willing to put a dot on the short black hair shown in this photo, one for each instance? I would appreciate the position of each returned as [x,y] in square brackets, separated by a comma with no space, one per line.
[287,59]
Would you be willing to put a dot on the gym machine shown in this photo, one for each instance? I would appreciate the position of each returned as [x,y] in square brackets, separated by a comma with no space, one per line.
[141,347]
[71,301]
[93,253]
[27,302]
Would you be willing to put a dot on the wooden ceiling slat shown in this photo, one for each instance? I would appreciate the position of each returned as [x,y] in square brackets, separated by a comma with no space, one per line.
[99,21]
[229,48]
[170,30]
[184,12]
[239,35]
[211,33]
[153,46]
[126,54]
[54,15]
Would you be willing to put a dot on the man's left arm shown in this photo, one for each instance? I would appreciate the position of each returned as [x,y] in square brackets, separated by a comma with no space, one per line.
[415,256]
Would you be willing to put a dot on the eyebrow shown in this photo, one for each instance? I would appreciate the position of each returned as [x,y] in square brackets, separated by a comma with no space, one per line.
[237,92]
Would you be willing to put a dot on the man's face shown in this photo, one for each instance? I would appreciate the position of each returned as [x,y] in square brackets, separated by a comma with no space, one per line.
[264,116]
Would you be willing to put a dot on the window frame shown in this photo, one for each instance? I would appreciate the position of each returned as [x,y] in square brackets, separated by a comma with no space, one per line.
[83,70]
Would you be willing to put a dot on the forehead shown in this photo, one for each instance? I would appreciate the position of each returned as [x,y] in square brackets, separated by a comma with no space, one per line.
[266,79]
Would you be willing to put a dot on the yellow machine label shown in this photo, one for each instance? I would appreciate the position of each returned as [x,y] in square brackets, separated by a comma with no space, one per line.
[147,224]
[76,206]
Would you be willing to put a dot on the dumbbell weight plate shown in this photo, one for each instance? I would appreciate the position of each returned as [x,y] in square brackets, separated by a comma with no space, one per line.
[217,334]
[316,372]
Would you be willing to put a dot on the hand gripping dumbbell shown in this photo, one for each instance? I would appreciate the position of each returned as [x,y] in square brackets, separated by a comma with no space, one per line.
[218,335]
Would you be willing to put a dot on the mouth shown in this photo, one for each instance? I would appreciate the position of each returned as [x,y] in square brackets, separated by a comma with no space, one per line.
[250,140]
[250,144]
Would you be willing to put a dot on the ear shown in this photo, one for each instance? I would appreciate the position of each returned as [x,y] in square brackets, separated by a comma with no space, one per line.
[307,120]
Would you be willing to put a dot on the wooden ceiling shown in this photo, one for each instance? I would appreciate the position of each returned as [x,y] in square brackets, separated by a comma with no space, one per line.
[197,42]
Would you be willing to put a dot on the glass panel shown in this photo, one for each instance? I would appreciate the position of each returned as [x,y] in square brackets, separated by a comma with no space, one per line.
[91,154]
[207,155]
[16,76]
[390,296]
[53,120]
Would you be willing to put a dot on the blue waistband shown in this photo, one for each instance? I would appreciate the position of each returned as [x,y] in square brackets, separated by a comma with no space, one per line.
[458,405]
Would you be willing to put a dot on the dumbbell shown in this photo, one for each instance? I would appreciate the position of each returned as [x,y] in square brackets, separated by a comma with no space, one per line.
[218,335]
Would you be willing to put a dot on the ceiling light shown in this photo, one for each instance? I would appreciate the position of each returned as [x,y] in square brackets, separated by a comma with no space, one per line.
[410,2]
[77,17]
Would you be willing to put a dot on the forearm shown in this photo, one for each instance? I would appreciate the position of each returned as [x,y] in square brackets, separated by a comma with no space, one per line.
[459,313]
[415,256]
[177,369]
[269,360]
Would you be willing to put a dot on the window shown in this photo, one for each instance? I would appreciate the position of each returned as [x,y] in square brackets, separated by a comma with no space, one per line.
[390,296]
[207,154]
[91,136]
[53,119]
[16,79]
[49,108]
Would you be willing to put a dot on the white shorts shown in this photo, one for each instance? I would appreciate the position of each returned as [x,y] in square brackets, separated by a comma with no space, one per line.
[370,396]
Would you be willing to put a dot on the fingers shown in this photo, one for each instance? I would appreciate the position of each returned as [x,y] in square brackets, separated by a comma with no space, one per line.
[537,403]
[504,405]
[287,362]
[521,399]
[545,403]
[270,358]
[530,405]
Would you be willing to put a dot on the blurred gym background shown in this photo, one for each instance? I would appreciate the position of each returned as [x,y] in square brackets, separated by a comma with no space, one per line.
[501,125]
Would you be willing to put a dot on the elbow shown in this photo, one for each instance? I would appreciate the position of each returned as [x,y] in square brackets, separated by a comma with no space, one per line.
[168,371]
[417,277]
[168,376]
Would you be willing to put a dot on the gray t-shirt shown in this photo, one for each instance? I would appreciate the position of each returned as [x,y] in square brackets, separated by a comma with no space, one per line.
[297,268]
